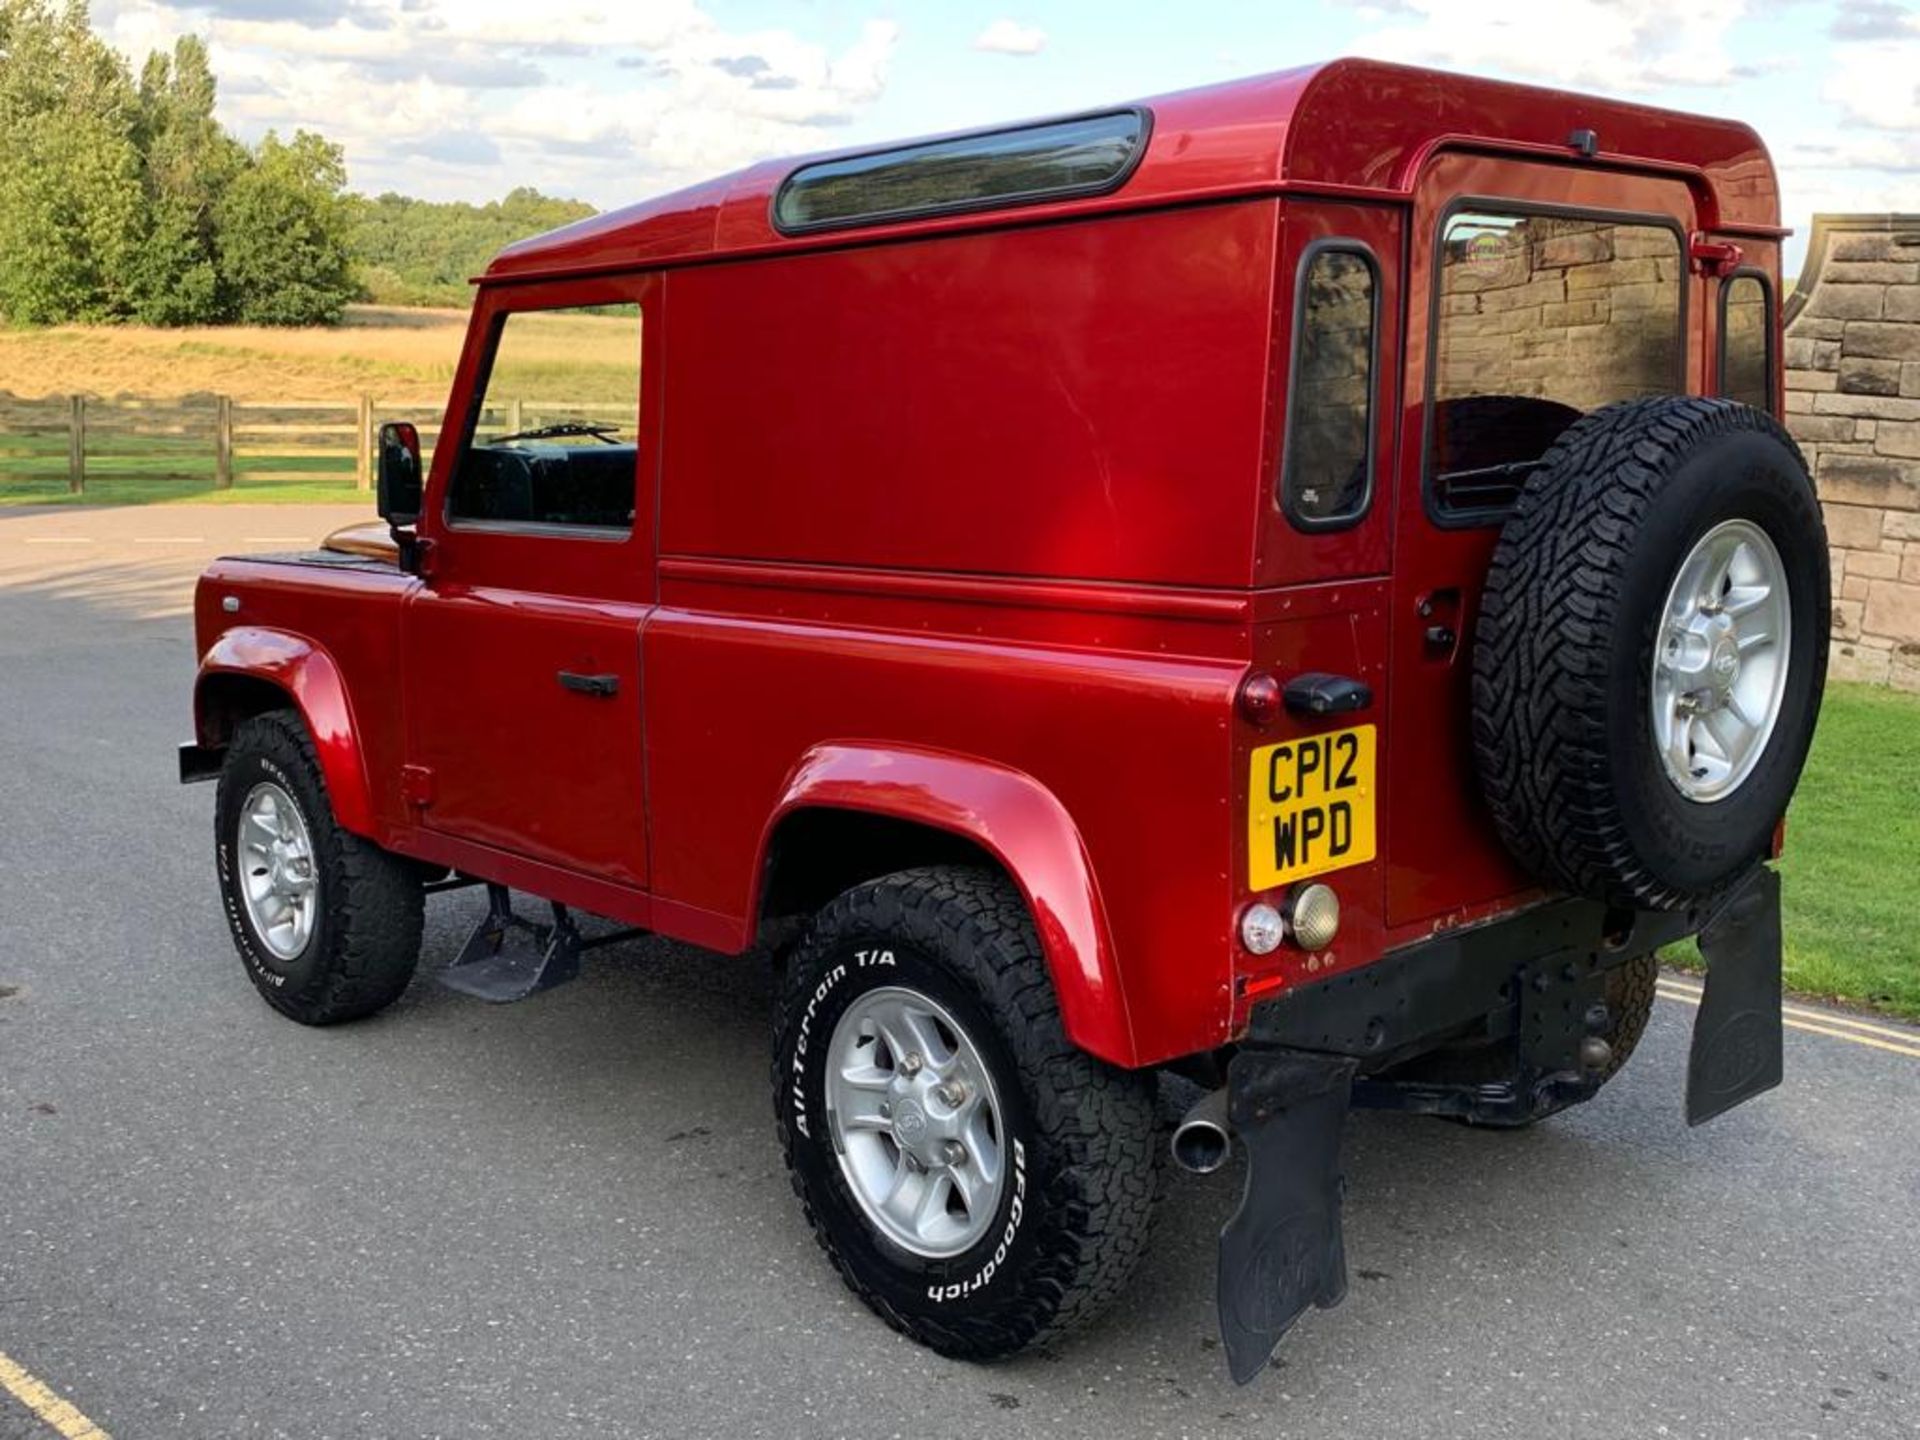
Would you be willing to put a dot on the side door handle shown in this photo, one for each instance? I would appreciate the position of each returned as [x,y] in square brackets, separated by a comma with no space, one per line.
[603,687]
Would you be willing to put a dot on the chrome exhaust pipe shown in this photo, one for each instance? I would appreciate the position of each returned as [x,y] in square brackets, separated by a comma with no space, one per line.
[1203,1140]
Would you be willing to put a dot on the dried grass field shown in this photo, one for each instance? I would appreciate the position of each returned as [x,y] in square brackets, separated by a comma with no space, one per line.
[396,355]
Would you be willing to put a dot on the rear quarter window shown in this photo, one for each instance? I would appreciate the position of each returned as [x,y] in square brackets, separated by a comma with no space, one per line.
[1327,468]
[1746,341]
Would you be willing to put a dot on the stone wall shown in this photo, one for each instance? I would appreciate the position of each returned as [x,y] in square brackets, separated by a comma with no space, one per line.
[1853,402]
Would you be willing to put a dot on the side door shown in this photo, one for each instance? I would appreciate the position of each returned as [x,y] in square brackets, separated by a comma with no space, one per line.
[522,649]
[1538,292]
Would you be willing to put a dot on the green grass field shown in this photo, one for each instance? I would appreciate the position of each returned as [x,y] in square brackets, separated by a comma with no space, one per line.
[155,470]
[1851,870]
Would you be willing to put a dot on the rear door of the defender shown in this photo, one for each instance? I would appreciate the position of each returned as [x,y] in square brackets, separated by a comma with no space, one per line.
[1313,804]
[1538,293]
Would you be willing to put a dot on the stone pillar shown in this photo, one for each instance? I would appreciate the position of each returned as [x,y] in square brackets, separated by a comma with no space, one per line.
[1853,403]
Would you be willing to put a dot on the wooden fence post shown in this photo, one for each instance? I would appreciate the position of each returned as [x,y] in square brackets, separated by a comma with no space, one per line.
[223,442]
[363,462]
[514,424]
[77,444]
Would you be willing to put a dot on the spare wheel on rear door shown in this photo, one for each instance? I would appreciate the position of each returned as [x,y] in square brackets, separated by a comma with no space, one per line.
[1651,650]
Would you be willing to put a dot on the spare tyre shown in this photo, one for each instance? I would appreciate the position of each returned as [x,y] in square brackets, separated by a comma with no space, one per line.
[1651,650]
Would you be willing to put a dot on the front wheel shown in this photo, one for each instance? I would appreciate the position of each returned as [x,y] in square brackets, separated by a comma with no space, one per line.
[975,1179]
[327,923]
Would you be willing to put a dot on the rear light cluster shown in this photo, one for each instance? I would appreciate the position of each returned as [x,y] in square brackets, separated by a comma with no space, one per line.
[1311,919]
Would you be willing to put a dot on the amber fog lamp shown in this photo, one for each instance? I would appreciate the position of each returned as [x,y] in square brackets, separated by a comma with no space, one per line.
[1314,915]
[1262,928]
[1260,698]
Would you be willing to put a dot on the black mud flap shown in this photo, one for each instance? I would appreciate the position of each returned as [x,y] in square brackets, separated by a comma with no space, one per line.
[1283,1250]
[1737,1042]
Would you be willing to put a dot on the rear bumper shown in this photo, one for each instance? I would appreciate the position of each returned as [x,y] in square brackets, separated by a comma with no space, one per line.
[1524,974]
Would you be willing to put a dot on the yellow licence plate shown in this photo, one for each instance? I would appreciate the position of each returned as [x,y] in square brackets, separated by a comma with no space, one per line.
[1310,806]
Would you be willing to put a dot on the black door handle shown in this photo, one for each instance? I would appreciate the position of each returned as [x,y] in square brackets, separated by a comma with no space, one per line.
[1317,693]
[604,686]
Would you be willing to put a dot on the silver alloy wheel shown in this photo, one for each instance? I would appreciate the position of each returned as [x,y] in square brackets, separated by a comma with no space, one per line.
[279,879]
[916,1122]
[1720,661]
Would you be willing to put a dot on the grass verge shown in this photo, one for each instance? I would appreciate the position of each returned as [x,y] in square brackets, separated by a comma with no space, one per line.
[1851,870]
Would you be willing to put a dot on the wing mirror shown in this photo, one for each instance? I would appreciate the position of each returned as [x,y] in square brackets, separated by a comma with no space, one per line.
[398,484]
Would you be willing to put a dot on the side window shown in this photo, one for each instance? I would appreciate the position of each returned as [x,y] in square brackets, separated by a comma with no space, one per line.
[1327,471]
[555,435]
[1746,341]
[1540,319]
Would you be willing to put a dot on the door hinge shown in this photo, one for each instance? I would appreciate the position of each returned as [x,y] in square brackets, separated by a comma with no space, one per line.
[1717,258]
[416,785]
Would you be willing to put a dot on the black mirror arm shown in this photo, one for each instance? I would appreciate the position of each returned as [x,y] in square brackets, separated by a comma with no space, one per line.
[414,553]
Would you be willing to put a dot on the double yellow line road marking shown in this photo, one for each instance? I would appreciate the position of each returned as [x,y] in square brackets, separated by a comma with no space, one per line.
[47,1407]
[1816,1022]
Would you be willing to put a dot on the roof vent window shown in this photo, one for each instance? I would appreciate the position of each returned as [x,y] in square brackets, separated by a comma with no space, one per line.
[1088,156]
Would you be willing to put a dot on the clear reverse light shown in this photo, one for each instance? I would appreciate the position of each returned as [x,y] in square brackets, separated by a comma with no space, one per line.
[1262,928]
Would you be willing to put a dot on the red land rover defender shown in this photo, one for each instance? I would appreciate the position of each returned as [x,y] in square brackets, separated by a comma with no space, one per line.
[1298,582]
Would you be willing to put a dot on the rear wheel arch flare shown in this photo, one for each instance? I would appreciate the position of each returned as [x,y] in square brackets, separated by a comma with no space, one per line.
[897,808]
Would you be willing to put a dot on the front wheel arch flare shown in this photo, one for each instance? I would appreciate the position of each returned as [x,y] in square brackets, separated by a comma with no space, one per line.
[248,666]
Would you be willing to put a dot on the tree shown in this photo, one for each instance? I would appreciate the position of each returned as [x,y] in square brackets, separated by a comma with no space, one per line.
[187,163]
[422,252]
[281,234]
[71,217]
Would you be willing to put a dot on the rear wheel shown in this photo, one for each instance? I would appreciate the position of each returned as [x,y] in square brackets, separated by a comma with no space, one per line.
[327,923]
[975,1179]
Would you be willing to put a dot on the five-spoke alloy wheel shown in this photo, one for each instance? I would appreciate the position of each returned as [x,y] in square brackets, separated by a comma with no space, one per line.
[1720,668]
[977,1179]
[915,1122]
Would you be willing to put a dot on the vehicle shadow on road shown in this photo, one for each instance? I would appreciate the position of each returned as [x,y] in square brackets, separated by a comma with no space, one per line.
[667,1039]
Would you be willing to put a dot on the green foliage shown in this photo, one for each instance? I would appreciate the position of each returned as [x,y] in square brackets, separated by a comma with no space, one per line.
[283,231]
[420,252]
[70,211]
[1850,896]
[125,202]
[188,164]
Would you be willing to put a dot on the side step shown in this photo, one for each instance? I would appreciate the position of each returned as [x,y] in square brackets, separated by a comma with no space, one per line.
[510,958]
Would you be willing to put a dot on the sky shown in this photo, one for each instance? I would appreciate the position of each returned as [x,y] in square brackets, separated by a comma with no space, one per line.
[611,101]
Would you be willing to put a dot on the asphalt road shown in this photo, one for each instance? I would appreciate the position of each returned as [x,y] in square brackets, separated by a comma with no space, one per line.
[569,1217]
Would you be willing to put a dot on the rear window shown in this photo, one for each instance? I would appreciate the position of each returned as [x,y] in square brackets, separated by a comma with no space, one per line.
[1746,341]
[1541,319]
[1008,167]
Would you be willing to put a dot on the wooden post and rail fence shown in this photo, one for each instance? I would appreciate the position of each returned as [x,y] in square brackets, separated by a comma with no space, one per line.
[63,443]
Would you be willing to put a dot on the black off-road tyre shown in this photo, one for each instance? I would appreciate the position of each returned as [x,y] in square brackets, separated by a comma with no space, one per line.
[365,939]
[1080,1135]
[1630,997]
[1563,649]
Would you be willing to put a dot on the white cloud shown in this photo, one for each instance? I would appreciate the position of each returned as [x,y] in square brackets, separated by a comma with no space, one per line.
[575,96]
[1608,45]
[1010,37]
